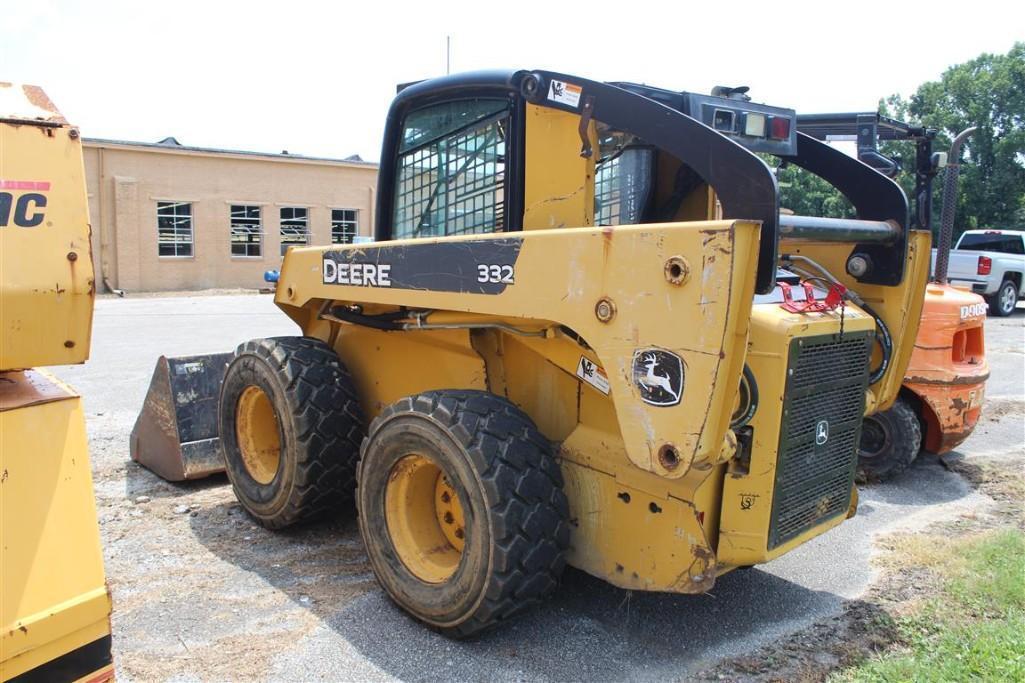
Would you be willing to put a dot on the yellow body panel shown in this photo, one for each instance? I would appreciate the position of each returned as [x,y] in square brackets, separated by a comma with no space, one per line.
[559,183]
[560,277]
[633,522]
[54,603]
[53,597]
[46,294]
[748,492]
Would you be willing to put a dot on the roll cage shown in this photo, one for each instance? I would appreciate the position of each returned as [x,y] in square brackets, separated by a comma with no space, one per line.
[745,186]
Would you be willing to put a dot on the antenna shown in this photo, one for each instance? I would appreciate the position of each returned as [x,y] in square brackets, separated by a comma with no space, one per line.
[448,55]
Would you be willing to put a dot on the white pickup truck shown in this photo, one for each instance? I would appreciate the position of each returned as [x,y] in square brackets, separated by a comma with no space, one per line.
[990,263]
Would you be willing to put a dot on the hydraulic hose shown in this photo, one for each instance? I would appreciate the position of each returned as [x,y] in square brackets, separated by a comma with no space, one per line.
[884,338]
[885,343]
[742,417]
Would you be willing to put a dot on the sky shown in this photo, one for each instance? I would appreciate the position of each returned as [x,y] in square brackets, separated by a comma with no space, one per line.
[316,78]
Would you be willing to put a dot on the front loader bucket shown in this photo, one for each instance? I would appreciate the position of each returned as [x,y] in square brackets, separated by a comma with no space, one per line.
[175,435]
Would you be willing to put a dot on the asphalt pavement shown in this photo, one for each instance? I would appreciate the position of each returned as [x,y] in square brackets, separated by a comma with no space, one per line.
[201,592]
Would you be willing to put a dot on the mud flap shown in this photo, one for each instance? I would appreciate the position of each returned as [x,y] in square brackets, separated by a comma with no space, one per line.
[175,435]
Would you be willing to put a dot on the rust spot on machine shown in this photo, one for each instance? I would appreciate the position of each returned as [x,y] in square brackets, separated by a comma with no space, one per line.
[175,435]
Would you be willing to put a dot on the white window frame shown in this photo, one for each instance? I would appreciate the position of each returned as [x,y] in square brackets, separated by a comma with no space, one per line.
[241,229]
[189,230]
[294,223]
[342,226]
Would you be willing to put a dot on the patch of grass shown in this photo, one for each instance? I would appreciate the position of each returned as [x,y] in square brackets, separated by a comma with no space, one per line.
[974,628]
[995,580]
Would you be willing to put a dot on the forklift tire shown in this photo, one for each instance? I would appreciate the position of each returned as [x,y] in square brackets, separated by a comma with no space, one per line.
[890,442]
[290,428]
[1002,303]
[461,509]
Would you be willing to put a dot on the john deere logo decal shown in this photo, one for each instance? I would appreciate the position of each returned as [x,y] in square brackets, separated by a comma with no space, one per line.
[658,375]
[821,432]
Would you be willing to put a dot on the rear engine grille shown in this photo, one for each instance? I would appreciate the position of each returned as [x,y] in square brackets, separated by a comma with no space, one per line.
[821,426]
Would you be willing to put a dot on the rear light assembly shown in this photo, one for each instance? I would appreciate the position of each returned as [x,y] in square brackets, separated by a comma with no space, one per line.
[722,121]
[985,265]
[754,125]
[779,128]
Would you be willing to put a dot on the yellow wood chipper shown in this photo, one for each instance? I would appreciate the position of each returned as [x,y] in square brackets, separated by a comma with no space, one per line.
[571,343]
[54,603]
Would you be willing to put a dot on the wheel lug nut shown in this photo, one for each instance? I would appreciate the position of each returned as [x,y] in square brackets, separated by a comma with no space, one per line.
[449,519]
[445,498]
[459,533]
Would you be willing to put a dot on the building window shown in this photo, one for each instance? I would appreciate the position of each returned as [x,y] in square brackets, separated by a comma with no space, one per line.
[295,228]
[246,232]
[344,226]
[174,229]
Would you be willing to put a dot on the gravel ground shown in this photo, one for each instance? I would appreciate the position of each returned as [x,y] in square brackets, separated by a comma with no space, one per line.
[201,592]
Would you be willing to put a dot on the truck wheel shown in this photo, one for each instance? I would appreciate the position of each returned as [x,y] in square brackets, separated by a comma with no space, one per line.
[461,509]
[890,441]
[1002,303]
[290,429]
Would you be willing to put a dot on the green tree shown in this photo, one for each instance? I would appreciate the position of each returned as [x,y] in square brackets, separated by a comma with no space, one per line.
[807,194]
[987,92]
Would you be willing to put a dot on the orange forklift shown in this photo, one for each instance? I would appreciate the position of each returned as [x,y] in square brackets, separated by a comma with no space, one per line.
[941,398]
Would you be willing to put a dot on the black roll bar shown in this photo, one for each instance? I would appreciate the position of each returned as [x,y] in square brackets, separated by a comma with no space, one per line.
[745,185]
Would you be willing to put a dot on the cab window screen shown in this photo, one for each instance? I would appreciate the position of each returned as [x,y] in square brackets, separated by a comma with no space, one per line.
[451,170]
[622,180]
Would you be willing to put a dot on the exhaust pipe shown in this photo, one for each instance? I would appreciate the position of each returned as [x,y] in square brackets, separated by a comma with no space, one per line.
[949,206]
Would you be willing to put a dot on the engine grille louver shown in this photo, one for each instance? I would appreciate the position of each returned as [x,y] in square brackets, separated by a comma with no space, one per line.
[827,378]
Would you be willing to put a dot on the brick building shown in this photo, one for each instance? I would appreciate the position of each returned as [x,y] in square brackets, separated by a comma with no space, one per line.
[171,217]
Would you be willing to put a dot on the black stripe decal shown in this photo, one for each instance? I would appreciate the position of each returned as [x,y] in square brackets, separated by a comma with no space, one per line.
[71,666]
[471,267]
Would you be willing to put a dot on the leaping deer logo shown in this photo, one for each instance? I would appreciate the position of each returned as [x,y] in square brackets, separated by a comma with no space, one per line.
[651,381]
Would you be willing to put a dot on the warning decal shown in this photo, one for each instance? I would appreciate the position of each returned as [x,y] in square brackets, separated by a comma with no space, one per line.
[565,93]
[591,372]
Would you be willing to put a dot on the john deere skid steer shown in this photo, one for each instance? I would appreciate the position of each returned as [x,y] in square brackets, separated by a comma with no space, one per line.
[572,343]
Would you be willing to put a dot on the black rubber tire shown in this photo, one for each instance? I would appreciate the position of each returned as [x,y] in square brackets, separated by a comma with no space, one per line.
[510,488]
[1007,293]
[320,428]
[890,442]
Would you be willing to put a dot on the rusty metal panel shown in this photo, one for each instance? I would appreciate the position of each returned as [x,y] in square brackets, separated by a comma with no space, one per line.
[175,434]
[24,388]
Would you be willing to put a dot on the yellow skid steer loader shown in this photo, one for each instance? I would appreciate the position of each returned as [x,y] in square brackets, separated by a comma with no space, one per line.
[572,343]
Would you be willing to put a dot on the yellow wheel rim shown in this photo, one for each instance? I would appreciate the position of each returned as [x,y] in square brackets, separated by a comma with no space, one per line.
[425,519]
[256,428]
